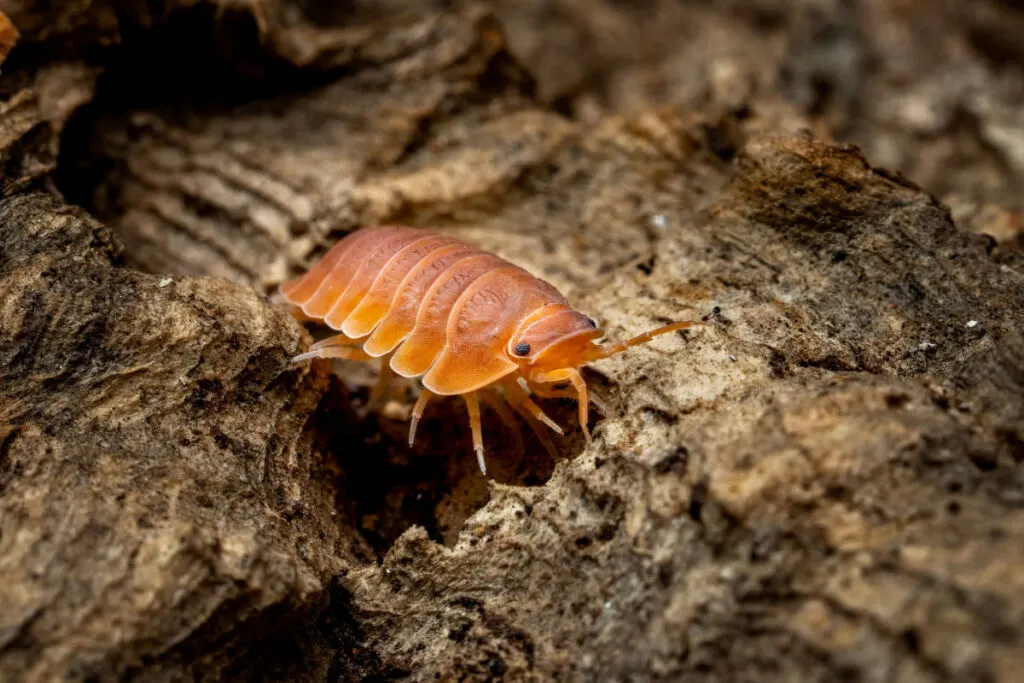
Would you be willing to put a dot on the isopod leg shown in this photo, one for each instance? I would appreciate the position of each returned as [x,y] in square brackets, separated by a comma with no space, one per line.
[593,396]
[536,426]
[342,352]
[380,389]
[417,413]
[584,402]
[518,396]
[473,406]
[497,403]
[580,387]
[334,340]
[338,346]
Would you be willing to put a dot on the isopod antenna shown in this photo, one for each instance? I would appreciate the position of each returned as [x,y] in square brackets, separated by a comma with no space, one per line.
[615,349]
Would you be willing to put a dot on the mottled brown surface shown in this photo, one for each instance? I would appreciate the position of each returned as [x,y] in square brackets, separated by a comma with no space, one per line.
[774,502]
[157,484]
[934,90]
[824,483]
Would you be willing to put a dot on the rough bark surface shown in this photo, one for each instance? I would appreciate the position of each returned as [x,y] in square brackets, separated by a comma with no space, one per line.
[158,490]
[822,483]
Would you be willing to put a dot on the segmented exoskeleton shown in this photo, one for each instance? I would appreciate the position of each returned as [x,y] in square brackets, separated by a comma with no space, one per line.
[462,319]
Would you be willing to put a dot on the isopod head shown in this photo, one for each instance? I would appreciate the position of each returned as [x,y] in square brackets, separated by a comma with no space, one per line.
[553,340]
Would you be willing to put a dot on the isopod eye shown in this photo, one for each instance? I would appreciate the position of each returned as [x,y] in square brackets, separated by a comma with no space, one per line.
[522,348]
[592,323]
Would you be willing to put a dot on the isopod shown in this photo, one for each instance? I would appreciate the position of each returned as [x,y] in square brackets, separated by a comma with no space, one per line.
[464,320]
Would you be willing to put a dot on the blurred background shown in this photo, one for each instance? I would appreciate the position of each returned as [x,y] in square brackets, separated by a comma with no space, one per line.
[932,89]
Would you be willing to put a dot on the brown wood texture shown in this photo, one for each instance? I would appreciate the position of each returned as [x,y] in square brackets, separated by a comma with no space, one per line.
[822,484]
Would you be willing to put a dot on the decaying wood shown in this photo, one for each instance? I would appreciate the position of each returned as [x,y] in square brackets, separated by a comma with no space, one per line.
[299,171]
[154,460]
[36,101]
[823,483]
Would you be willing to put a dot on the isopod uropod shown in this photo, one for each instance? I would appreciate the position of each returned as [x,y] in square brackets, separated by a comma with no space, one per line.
[464,320]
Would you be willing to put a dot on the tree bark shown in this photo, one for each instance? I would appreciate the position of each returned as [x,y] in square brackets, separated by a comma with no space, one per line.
[823,482]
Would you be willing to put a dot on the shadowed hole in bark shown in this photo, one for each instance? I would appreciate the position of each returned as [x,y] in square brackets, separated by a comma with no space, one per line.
[437,483]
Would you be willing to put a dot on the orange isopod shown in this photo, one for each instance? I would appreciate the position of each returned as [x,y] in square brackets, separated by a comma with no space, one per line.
[464,320]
